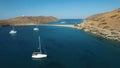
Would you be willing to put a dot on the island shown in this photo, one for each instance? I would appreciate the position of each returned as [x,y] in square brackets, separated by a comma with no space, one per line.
[106,25]
[28,20]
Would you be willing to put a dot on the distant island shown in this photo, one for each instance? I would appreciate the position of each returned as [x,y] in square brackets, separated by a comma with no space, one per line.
[106,25]
[26,20]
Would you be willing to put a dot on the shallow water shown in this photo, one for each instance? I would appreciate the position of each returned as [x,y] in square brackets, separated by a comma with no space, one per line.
[66,48]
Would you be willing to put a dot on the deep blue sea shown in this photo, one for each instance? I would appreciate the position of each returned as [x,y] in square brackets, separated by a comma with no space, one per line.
[65,47]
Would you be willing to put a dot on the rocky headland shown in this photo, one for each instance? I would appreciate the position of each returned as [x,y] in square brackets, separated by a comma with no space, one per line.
[106,25]
[26,20]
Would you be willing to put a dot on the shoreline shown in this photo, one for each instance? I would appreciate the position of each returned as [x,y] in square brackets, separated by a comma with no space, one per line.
[59,25]
[103,33]
[46,24]
[90,30]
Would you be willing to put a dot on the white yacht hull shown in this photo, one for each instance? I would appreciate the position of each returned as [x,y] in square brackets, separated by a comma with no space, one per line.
[36,29]
[39,56]
[13,32]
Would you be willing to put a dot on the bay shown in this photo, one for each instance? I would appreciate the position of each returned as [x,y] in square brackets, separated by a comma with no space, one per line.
[66,48]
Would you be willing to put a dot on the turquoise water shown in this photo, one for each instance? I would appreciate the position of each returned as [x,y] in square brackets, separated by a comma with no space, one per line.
[66,48]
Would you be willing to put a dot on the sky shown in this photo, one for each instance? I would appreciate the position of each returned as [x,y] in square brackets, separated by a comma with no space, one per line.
[57,8]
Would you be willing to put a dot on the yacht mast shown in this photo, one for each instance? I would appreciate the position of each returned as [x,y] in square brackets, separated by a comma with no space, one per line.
[13,27]
[40,45]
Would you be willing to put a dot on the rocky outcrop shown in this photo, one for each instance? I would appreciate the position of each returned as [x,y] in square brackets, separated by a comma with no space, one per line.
[28,20]
[106,25]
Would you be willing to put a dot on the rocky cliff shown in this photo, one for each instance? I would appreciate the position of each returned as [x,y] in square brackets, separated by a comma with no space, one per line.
[106,25]
[28,20]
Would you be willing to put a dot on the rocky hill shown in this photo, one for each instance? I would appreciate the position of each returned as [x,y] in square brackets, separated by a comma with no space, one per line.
[28,20]
[106,25]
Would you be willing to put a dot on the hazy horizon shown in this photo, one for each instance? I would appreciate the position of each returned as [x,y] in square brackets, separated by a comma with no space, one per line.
[62,9]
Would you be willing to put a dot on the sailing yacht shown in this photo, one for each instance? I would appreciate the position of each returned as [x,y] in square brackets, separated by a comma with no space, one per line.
[36,28]
[38,55]
[63,22]
[13,31]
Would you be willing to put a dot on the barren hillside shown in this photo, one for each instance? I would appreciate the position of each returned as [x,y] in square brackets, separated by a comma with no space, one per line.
[106,24]
[28,20]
